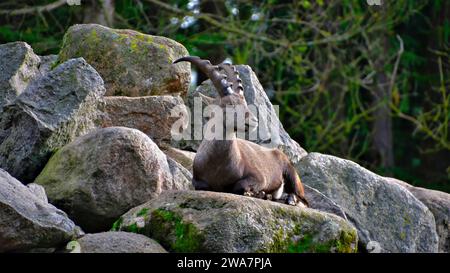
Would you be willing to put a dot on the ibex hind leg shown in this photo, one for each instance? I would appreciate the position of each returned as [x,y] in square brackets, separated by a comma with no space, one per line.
[247,186]
[200,185]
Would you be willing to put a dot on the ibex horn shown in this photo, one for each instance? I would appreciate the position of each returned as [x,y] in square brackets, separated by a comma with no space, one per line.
[219,80]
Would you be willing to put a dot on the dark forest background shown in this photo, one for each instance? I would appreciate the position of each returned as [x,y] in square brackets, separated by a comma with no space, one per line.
[366,83]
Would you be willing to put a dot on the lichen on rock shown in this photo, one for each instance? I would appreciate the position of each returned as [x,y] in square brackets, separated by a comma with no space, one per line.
[383,213]
[197,221]
[52,111]
[101,175]
[142,63]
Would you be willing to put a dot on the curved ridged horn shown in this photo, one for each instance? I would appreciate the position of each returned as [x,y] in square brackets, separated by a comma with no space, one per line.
[232,77]
[212,72]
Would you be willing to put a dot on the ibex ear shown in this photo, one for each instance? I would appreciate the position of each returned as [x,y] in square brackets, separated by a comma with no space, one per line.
[207,100]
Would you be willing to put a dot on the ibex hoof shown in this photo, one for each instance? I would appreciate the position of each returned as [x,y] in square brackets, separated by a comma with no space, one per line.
[261,195]
[291,200]
[249,193]
[269,197]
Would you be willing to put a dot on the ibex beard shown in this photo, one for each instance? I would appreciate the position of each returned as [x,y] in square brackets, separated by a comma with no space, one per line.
[225,163]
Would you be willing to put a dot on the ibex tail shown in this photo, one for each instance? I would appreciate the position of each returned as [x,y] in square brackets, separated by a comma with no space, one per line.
[293,184]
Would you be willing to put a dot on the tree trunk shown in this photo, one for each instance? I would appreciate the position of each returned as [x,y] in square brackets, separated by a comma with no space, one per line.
[99,12]
[382,126]
[216,54]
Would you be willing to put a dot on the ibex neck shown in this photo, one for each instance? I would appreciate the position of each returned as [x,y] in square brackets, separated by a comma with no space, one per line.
[224,148]
[222,144]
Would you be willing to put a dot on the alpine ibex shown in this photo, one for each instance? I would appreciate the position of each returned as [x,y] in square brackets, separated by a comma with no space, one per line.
[236,165]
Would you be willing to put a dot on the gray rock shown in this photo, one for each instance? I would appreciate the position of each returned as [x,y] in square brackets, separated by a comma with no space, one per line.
[200,221]
[131,63]
[384,213]
[27,222]
[118,242]
[256,96]
[50,112]
[182,178]
[39,191]
[19,65]
[151,114]
[47,63]
[439,204]
[319,201]
[99,176]
[185,158]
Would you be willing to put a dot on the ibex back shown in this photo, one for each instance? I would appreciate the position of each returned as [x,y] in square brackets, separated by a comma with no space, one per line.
[230,164]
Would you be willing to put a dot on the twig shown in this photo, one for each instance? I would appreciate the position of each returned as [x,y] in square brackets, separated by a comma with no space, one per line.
[216,23]
[397,62]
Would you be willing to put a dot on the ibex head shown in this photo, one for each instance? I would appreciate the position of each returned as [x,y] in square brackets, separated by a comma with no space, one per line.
[231,99]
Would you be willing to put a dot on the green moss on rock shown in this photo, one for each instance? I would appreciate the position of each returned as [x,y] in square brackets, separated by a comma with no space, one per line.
[135,55]
[117,224]
[347,242]
[174,233]
[133,228]
[300,241]
[143,212]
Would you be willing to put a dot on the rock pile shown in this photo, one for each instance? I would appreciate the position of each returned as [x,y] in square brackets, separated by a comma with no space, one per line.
[86,146]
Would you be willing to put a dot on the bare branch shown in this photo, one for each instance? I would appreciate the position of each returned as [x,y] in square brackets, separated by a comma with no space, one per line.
[37,9]
[397,62]
[218,24]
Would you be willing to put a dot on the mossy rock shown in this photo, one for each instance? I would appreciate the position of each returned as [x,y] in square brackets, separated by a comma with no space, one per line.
[384,213]
[131,63]
[198,221]
[99,176]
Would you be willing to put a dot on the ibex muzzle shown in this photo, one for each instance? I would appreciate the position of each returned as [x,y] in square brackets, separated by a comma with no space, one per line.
[234,165]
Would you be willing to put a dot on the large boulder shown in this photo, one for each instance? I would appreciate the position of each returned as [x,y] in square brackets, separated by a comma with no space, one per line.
[117,242]
[131,63]
[439,204]
[386,215]
[18,67]
[153,115]
[50,112]
[200,221]
[320,201]
[270,130]
[99,176]
[27,221]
